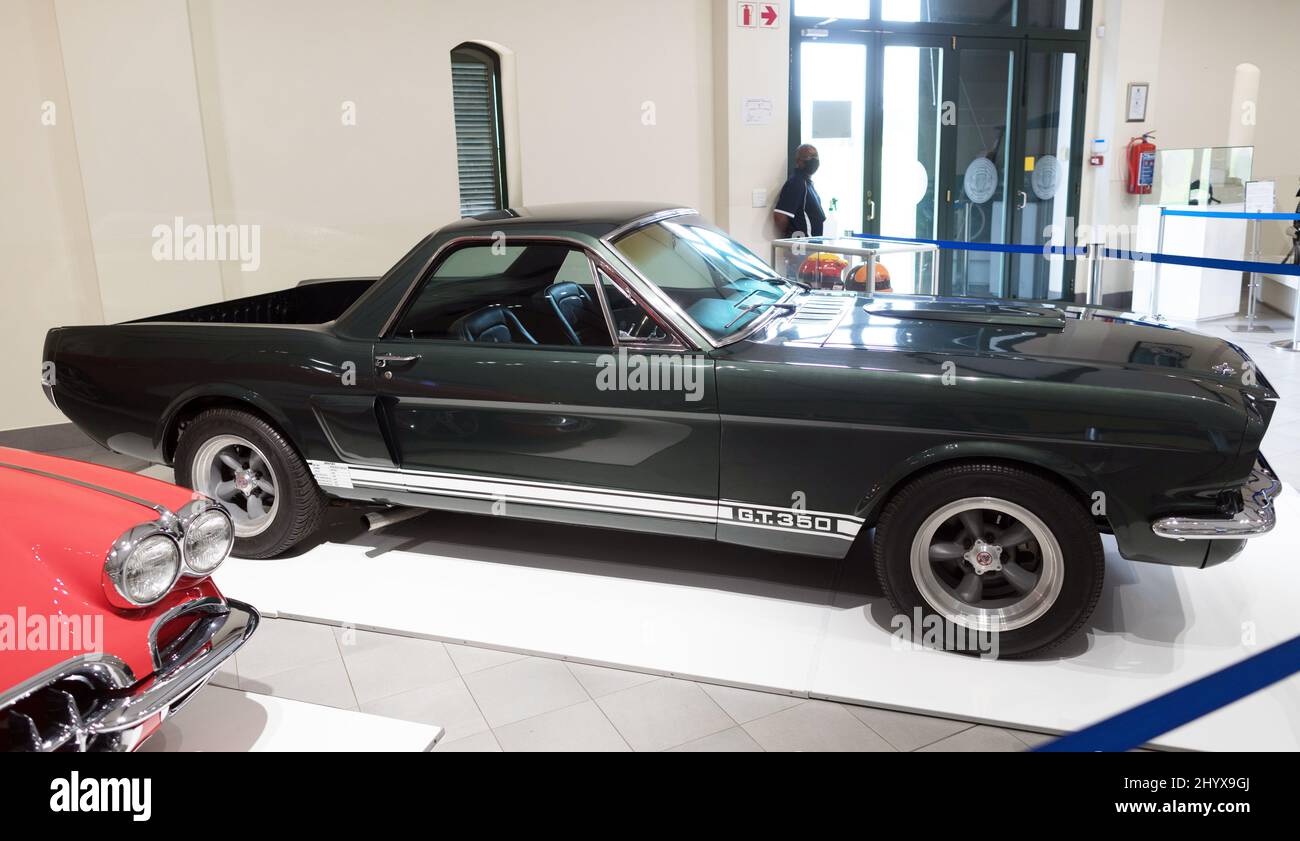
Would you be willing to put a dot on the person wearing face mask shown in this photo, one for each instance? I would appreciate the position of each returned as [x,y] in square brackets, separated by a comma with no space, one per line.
[798,210]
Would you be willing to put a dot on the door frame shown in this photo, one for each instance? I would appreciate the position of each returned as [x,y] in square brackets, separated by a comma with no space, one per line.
[1021,38]
[1077,144]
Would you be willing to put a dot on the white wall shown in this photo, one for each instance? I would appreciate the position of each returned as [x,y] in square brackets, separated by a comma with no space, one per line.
[230,112]
[597,116]
[48,274]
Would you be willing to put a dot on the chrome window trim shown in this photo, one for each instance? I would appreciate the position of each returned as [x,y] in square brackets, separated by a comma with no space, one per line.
[605,310]
[667,304]
[648,219]
[680,342]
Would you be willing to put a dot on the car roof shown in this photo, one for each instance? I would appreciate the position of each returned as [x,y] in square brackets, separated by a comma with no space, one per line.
[595,218]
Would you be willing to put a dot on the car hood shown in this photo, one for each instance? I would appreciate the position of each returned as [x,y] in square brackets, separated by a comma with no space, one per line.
[60,519]
[972,327]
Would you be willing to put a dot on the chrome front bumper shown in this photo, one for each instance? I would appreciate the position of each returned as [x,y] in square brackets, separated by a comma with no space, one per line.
[127,705]
[1256,517]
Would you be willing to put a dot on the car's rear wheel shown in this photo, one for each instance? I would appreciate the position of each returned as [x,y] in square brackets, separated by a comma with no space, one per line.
[992,549]
[245,464]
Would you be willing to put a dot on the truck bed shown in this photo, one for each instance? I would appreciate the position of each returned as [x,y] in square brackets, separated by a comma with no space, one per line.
[310,302]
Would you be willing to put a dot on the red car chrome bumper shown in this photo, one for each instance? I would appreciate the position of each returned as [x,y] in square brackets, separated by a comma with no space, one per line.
[93,702]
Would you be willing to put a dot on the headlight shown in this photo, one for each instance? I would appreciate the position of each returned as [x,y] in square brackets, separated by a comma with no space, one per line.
[142,566]
[208,536]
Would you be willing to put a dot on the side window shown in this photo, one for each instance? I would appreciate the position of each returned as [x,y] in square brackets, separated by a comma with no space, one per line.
[531,294]
[635,324]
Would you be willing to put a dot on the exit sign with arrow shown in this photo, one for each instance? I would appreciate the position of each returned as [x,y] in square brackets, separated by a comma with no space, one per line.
[758,15]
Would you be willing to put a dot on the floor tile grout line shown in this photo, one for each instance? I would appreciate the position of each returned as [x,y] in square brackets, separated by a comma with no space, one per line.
[346,672]
[568,667]
[968,726]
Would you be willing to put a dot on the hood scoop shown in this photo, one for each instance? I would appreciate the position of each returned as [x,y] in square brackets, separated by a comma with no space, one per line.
[1039,316]
[820,310]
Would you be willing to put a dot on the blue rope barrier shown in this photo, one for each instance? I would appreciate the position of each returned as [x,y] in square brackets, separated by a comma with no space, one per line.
[1109,253]
[953,245]
[1227,214]
[1202,262]
[1138,726]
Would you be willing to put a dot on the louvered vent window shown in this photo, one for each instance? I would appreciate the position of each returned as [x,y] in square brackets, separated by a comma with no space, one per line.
[476,98]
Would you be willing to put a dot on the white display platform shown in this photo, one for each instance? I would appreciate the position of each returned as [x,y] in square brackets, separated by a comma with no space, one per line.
[1187,293]
[220,719]
[798,625]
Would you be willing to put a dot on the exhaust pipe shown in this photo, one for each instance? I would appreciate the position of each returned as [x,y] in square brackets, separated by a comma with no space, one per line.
[375,520]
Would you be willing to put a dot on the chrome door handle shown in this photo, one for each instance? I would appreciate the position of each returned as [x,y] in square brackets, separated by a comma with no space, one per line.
[383,360]
[1024,200]
[871,203]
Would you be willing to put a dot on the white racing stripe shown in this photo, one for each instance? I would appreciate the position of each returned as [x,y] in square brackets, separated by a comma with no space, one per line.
[634,503]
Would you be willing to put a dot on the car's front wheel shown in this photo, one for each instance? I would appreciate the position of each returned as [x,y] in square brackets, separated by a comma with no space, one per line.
[990,549]
[249,467]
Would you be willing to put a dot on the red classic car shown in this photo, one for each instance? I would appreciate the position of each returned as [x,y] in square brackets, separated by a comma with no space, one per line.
[109,621]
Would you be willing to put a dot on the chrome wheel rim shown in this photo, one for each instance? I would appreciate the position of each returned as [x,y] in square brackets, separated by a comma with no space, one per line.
[235,473]
[987,564]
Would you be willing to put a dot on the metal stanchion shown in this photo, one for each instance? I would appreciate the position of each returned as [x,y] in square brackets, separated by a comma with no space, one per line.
[1094,280]
[1252,302]
[1155,278]
[1292,345]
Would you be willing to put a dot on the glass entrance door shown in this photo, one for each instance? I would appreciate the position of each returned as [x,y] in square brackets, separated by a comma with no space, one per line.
[834,117]
[904,199]
[982,147]
[1053,104]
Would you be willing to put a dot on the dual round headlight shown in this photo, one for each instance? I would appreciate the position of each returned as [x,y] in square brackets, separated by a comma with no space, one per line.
[208,537]
[145,563]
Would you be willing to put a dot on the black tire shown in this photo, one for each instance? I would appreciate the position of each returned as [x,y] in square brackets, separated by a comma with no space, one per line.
[1083,561]
[301,503]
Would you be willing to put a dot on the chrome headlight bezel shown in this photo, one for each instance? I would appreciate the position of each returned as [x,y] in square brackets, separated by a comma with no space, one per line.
[121,550]
[187,516]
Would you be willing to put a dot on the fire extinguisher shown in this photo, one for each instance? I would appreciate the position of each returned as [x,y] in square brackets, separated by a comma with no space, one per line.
[1141,165]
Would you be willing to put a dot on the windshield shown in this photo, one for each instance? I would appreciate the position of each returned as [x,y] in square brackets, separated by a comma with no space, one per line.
[715,280]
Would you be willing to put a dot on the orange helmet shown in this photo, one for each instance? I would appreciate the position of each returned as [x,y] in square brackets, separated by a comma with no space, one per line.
[883,282]
[822,269]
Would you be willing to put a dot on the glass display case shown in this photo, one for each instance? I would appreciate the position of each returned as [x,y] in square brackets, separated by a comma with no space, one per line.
[1203,177]
[845,263]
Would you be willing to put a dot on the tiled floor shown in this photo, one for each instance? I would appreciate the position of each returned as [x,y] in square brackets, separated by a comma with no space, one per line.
[498,701]
[493,701]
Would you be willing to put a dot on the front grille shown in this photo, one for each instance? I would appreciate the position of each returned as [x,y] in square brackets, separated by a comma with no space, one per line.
[52,715]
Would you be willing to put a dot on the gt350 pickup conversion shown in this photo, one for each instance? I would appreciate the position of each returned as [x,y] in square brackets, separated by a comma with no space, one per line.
[630,366]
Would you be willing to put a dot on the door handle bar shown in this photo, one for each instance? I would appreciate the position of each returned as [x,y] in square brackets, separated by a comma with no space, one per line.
[383,360]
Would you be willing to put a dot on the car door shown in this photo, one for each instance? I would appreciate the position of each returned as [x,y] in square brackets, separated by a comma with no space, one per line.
[509,385]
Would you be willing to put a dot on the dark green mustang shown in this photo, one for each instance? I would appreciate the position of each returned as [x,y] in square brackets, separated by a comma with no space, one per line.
[632,367]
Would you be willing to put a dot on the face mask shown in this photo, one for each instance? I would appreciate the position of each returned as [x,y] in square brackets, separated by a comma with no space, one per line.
[811,166]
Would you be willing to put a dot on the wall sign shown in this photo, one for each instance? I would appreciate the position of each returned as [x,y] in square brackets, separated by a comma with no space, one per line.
[758,15]
[757,110]
[1138,93]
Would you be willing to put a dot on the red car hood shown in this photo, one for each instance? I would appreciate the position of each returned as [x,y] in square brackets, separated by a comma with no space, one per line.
[60,517]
